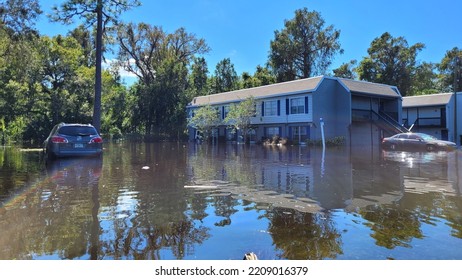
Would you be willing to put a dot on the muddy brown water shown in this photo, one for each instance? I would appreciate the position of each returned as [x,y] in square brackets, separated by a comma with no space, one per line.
[185,201]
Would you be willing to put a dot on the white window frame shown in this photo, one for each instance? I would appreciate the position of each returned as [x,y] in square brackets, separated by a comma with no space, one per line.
[297,105]
[271,108]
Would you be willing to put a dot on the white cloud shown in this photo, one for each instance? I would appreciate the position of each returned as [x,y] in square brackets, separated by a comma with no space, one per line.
[122,72]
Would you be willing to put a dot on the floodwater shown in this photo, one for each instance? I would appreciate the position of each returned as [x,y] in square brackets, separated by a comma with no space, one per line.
[184,201]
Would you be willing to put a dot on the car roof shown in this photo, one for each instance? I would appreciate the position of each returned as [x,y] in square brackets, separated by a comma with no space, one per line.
[75,124]
[404,133]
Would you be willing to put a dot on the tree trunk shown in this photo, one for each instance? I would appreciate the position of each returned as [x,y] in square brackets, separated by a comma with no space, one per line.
[99,48]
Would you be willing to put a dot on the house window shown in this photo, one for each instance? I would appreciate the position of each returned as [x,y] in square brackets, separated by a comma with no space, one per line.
[272,131]
[299,133]
[271,108]
[297,105]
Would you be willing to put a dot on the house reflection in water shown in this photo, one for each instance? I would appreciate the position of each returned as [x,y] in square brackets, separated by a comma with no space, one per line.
[306,179]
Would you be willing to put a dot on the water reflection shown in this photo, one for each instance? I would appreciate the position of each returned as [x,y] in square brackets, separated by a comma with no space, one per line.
[396,195]
[304,236]
[180,201]
[51,217]
[297,177]
[143,209]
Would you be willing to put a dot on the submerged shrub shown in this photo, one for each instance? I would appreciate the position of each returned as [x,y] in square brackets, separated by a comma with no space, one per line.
[336,141]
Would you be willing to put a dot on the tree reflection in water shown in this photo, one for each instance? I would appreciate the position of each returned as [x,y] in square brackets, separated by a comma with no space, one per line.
[304,236]
[392,227]
[146,242]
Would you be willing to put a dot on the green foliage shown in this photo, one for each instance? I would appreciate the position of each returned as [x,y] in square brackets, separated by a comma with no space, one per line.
[240,115]
[198,79]
[86,10]
[425,80]
[19,16]
[346,70]
[103,14]
[391,61]
[2,131]
[450,69]
[205,119]
[262,77]
[304,48]
[161,64]
[16,129]
[226,78]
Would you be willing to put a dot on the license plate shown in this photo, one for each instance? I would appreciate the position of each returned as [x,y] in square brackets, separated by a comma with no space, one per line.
[78,146]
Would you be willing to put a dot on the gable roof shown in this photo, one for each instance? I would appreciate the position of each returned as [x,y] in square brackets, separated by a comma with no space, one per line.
[370,88]
[438,99]
[295,87]
[292,87]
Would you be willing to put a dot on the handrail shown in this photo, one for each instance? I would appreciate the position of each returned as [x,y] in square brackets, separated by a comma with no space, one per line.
[391,122]
[386,119]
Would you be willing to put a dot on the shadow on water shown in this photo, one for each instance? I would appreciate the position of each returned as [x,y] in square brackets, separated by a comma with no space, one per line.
[186,201]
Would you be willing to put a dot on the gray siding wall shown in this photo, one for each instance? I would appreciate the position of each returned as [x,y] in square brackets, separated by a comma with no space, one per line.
[332,102]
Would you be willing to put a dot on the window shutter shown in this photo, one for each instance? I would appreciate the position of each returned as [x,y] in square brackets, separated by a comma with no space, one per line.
[222,112]
[262,108]
[306,104]
[279,107]
[287,106]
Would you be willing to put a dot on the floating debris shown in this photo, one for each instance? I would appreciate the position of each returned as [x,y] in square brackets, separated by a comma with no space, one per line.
[145,167]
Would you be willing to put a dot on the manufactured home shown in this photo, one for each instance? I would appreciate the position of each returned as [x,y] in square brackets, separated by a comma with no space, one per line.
[360,112]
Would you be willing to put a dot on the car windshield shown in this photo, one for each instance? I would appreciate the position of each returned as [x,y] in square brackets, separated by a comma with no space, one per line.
[426,137]
[77,130]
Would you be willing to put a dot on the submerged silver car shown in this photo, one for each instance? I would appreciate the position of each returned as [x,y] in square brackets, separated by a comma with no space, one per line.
[417,142]
[68,140]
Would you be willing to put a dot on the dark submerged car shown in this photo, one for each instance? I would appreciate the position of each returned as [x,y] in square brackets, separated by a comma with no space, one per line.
[70,140]
[416,142]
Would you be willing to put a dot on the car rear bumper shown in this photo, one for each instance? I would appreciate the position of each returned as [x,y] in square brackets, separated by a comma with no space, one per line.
[68,153]
[60,150]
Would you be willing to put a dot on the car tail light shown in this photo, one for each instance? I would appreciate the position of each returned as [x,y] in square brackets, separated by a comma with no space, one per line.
[58,139]
[96,140]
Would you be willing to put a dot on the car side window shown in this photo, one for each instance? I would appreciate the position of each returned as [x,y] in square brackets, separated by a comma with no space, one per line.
[414,137]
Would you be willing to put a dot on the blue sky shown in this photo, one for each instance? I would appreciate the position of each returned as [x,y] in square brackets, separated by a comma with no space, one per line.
[242,29]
